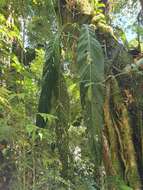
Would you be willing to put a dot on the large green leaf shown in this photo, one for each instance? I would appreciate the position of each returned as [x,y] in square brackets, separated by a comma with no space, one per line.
[49,80]
[91,70]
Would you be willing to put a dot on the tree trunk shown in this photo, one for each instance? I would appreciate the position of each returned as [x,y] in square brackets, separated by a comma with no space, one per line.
[119,137]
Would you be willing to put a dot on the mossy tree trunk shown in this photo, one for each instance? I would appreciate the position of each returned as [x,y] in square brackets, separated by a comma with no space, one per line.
[118,132]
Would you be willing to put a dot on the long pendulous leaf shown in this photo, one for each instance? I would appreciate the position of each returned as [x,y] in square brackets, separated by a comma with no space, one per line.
[49,83]
[91,69]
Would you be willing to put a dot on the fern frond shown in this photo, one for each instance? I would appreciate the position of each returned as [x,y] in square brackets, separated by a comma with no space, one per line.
[4,98]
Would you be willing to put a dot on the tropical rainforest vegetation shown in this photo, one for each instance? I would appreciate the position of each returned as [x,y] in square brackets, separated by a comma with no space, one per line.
[71,95]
